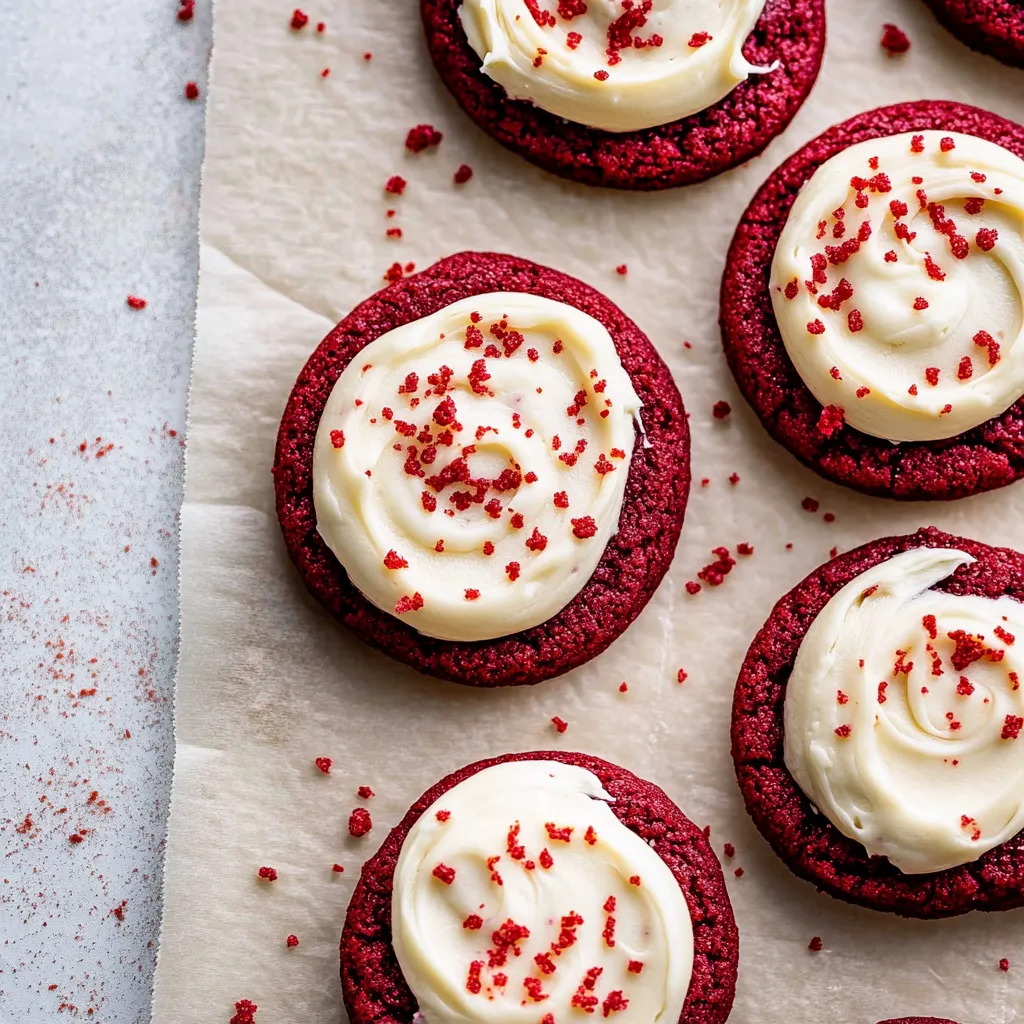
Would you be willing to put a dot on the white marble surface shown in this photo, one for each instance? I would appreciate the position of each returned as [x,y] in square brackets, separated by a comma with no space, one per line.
[99,178]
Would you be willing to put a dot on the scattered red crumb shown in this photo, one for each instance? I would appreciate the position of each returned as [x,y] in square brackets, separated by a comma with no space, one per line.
[681,676]
[720,410]
[367,56]
[395,185]
[692,587]
[245,1012]
[299,19]
[422,137]
[320,26]
[601,76]
[810,505]
[729,850]
[191,91]
[267,874]
[188,10]
[831,421]
[76,838]
[623,687]
[324,764]
[359,822]
[699,39]
[325,72]
[622,269]
[134,302]
[338,869]
[1004,964]
[738,872]
[118,911]
[894,40]
[815,945]
[986,239]
[463,174]
[743,548]
[292,941]
[444,873]
[560,724]
[365,793]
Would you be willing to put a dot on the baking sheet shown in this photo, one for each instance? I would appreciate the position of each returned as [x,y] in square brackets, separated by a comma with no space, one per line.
[292,236]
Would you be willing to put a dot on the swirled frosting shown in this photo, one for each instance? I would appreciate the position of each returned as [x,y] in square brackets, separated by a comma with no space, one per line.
[618,65]
[898,285]
[469,467]
[519,894]
[903,714]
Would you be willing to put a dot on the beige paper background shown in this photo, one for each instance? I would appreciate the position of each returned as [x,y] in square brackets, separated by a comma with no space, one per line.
[292,237]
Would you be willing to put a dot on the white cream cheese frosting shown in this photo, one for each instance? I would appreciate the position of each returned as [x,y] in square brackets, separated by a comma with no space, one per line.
[617,65]
[519,894]
[898,285]
[469,467]
[903,714]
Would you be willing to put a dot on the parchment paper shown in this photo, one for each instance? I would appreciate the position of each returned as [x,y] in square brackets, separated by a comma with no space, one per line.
[293,224]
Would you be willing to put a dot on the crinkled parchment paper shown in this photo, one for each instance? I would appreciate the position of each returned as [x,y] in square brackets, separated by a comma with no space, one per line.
[293,223]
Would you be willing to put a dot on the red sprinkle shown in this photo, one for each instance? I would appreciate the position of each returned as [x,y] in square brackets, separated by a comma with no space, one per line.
[267,874]
[395,185]
[188,10]
[560,724]
[365,793]
[338,869]
[299,19]
[699,39]
[191,91]
[134,302]
[1004,964]
[324,764]
[292,941]
[622,269]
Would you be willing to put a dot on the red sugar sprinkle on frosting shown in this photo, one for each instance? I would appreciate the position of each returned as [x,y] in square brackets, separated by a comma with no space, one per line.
[986,239]
[444,873]
[409,604]
[699,39]
[560,724]
[584,527]
[191,91]
[395,185]
[601,76]
[472,594]
[338,869]
[245,1012]
[292,941]
[299,19]
[359,822]
[267,874]
[1011,727]
[365,793]
[134,302]
[622,269]
[393,560]
[324,764]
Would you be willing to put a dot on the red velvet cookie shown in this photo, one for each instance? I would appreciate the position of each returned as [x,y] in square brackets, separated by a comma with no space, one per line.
[374,989]
[636,557]
[810,845]
[989,456]
[684,152]
[995,27]
[918,1020]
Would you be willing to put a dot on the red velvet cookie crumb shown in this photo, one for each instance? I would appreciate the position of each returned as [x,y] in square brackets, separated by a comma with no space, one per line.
[989,456]
[738,127]
[635,559]
[995,27]
[807,842]
[373,987]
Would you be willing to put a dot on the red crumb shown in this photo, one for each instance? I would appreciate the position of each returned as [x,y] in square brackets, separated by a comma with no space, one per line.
[188,10]
[134,302]
[463,174]
[1004,964]
[720,410]
[245,1012]
[292,941]
[359,822]
[395,185]
[299,19]
[324,764]
[623,687]
[365,793]
[560,724]
[191,91]
[815,945]
[681,676]
[894,40]
[338,869]
[422,137]
[267,874]
[738,872]
[729,850]
[622,269]
[810,505]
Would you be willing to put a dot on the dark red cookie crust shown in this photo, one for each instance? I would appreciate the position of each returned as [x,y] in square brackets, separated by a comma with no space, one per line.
[635,559]
[810,845]
[989,456]
[694,149]
[375,991]
[918,1020]
[995,27]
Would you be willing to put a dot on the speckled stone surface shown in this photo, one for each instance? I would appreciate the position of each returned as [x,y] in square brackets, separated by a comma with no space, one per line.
[98,199]
[989,456]
[635,559]
[995,27]
[375,990]
[809,844]
[684,152]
